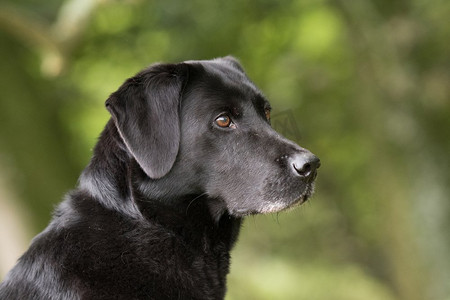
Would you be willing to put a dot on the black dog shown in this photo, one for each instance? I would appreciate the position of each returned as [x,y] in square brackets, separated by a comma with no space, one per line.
[188,152]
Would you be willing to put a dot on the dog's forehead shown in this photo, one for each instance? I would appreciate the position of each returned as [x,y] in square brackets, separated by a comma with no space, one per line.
[232,79]
[228,71]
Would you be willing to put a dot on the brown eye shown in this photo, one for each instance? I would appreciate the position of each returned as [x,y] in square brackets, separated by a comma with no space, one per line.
[223,121]
[267,111]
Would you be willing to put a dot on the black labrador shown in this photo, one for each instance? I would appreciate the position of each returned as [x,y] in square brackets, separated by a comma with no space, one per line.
[188,152]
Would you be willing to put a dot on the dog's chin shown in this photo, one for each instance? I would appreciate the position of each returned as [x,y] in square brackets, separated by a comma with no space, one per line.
[282,204]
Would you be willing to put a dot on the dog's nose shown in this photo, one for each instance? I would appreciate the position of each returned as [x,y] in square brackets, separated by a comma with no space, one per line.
[306,165]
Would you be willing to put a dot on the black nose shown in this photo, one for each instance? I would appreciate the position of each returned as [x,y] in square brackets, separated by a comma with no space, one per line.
[306,165]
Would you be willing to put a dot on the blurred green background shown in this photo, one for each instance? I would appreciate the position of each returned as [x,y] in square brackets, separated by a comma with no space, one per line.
[366,82]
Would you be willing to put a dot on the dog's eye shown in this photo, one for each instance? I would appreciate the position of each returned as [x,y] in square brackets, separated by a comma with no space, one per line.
[224,121]
[267,111]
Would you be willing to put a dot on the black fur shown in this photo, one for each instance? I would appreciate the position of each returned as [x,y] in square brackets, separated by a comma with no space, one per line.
[159,207]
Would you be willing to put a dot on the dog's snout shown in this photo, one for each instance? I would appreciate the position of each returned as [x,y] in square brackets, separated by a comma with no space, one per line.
[306,165]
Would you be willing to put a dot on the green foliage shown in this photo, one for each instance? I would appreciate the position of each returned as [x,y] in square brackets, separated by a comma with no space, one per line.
[367,82]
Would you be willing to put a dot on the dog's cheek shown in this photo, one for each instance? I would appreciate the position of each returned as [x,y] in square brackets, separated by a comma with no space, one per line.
[248,192]
[237,191]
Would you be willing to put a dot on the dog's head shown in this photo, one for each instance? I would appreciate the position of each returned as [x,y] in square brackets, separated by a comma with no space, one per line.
[203,127]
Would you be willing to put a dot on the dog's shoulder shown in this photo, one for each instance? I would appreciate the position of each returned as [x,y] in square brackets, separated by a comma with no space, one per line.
[39,273]
[91,250]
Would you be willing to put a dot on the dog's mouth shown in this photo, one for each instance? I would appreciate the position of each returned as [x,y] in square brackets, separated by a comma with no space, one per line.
[288,205]
[304,198]
[279,205]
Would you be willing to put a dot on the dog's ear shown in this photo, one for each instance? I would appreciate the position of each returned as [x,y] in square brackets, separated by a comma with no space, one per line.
[145,110]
